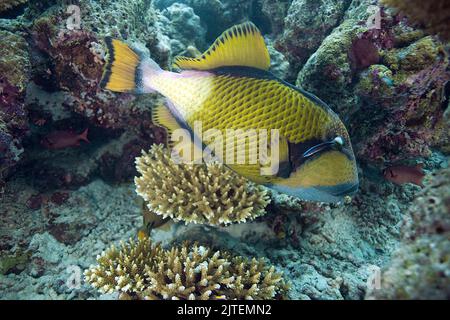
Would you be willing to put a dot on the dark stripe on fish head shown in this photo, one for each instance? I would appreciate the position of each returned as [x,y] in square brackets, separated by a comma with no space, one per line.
[323,168]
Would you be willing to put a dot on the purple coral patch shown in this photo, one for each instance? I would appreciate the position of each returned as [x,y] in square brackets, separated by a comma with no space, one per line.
[363,53]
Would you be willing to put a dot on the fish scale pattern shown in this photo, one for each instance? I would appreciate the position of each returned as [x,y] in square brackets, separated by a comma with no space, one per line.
[251,103]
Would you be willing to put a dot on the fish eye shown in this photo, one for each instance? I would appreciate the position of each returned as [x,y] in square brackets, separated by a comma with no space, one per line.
[339,141]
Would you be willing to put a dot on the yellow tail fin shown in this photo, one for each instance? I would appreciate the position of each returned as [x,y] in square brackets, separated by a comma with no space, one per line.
[122,67]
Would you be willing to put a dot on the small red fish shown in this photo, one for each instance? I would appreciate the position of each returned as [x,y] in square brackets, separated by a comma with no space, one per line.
[404,174]
[64,139]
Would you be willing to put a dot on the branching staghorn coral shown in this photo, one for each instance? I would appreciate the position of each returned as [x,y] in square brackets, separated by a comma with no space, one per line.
[9,4]
[144,270]
[205,194]
[433,15]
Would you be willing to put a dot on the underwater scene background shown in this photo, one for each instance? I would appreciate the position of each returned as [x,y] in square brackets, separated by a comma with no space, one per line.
[71,186]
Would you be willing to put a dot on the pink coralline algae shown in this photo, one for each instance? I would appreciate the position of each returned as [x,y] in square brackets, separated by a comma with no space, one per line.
[13,126]
[76,60]
[59,198]
[414,118]
[388,83]
[363,53]
[35,202]
[71,64]
[406,90]
[365,49]
[77,69]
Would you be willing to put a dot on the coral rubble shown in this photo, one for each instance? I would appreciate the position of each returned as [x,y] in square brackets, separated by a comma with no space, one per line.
[189,272]
[207,194]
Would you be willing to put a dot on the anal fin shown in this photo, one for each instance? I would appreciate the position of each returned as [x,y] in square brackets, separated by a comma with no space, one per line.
[162,117]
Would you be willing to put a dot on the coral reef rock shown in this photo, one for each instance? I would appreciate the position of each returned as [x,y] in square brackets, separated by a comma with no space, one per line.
[185,28]
[307,24]
[14,75]
[276,12]
[216,15]
[75,60]
[419,267]
[328,72]
[433,15]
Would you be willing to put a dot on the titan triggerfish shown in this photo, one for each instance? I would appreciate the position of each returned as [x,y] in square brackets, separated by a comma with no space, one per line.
[230,88]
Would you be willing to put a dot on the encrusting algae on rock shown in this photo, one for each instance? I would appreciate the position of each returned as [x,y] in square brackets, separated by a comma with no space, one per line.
[433,15]
[143,270]
[205,194]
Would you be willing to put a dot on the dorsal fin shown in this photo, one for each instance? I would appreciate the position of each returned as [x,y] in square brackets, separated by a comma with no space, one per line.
[241,45]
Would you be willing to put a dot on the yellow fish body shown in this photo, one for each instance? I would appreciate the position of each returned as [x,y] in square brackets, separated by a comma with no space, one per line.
[229,88]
